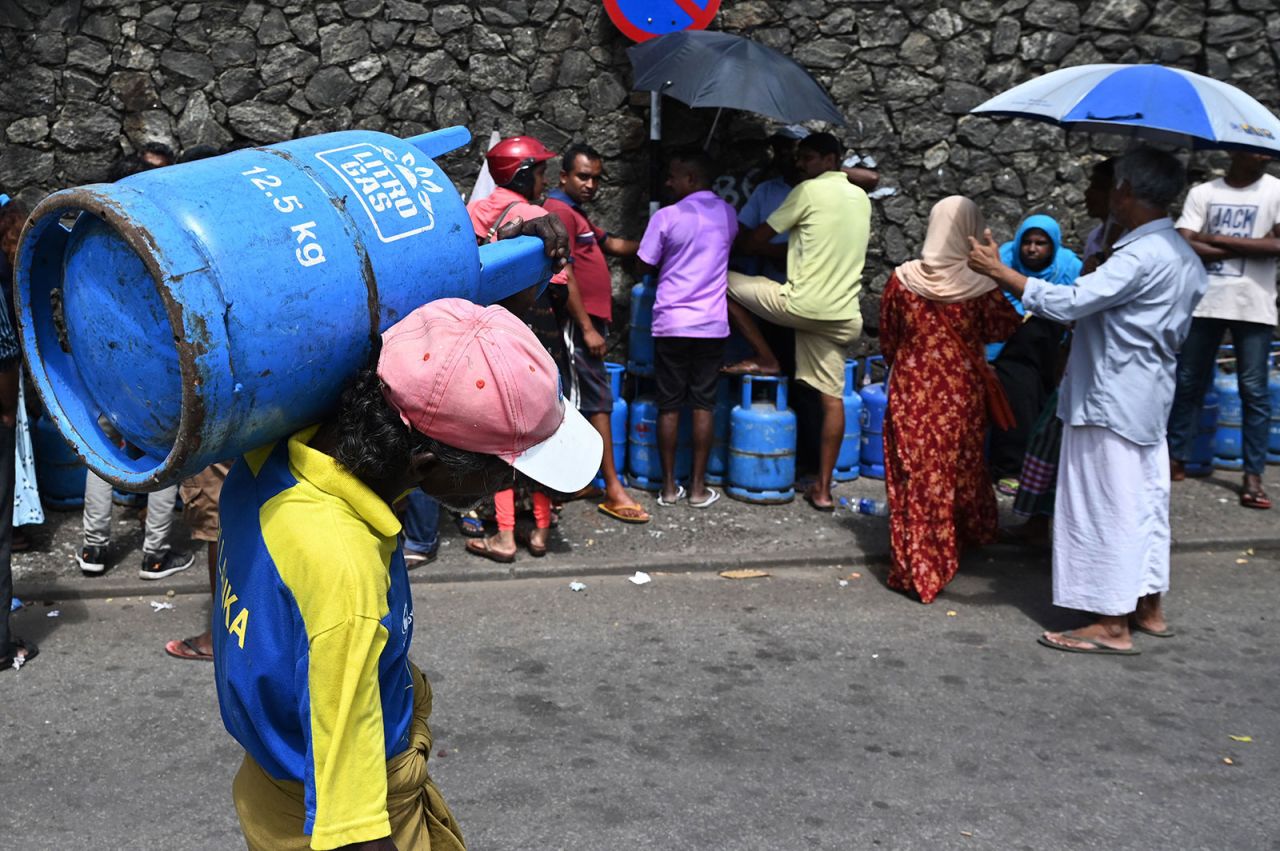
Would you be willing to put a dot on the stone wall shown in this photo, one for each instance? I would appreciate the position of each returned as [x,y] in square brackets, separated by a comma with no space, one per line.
[88,80]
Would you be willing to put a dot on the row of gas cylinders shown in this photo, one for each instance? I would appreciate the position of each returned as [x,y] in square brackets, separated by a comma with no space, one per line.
[753,450]
[1218,440]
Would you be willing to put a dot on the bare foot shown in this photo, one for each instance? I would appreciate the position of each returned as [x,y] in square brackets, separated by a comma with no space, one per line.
[753,367]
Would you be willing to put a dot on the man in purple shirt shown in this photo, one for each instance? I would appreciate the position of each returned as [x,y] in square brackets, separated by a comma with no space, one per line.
[688,244]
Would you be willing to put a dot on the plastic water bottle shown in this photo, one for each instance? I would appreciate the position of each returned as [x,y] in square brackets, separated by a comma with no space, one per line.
[874,507]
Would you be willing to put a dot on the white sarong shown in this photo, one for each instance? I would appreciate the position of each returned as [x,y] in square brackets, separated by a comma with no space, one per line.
[1110,523]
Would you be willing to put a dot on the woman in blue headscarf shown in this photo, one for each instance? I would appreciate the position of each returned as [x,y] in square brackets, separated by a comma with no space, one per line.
[1036,251]
[1028,365]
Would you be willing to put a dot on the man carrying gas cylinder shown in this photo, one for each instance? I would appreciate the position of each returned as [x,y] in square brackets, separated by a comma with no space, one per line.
[311,643]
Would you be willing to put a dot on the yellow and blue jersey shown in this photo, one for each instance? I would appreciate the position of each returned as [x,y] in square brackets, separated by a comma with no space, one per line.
[311,628]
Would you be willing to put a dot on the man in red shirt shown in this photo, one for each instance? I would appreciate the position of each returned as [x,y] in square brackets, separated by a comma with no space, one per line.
[590,310]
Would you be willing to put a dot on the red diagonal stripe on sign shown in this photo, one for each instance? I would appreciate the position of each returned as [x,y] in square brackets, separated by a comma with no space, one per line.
[693,10]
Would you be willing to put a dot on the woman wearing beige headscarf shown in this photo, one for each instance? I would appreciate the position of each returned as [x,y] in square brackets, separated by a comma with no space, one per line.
[935,317]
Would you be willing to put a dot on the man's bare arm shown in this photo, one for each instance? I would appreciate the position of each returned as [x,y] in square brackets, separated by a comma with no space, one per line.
[758,242]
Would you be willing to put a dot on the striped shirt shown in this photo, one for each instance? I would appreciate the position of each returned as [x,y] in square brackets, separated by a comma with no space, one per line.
[311,627]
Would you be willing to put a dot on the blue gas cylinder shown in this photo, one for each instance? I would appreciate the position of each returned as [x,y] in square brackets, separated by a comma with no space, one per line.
[718,460]
[644,461]
[1230,408]
[617,420]
[211,307]
[1273,435]
[847,461]
[762,444]
[1201,461]
[875,401]
[1228,443]
[640,341]
[60,474]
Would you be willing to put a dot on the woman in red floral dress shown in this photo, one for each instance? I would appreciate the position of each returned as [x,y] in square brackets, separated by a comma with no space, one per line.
[940,495]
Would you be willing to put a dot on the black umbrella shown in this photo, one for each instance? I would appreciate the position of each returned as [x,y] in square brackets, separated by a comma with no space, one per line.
[715,69]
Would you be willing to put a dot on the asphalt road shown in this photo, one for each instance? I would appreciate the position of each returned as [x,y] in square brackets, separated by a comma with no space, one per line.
[704,713]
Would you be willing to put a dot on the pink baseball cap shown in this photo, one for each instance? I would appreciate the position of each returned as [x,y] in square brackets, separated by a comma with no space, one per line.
[477,379]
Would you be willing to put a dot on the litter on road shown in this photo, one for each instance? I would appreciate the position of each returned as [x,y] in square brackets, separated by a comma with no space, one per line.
[159,605]
[744,573]
[53,614]
[640,578]
[577,586]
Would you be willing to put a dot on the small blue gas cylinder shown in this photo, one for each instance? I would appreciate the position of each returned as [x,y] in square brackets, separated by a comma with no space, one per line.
[1230,408]
[1273,436]
[875,400]
[60,474]
[640,341]
[617,421]
[718,460]
[762,444]
[644,461]
[1201,461]
[1228,443]
[208,308]
[847,462]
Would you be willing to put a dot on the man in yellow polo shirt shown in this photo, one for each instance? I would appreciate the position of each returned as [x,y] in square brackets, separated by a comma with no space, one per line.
[829,221]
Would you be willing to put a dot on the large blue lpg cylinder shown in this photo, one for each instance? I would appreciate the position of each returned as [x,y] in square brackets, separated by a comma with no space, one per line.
[875,400]
[617,421]
[640,341]
[644,461]
[762,445]
[60,474]
[1273,436]
[848,460]
[718,460]
[1230,407]
[1228,442]
[208,308]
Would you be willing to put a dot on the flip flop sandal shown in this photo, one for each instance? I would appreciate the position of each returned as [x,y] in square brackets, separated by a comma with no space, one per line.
[1255,499]
[1008,486]
[6,662]
[679,496]
[470,526]
[616,512]
[1097,648]
[825,509]
[1164,633]
[534,550]
[186,649]
[709,501]
[480,547]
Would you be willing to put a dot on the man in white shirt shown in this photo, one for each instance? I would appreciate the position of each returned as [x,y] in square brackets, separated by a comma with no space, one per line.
[1233,223]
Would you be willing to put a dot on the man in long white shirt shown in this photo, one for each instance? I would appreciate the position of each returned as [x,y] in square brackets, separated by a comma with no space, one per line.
[1111,517]
[1233,223]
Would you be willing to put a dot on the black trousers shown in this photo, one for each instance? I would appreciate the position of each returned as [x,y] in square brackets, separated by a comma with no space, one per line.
[1028,369]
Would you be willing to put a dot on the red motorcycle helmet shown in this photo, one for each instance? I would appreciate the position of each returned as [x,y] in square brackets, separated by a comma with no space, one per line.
[510,155]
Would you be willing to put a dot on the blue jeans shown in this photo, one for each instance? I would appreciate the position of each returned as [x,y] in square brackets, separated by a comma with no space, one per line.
[1252,341]
[421,521]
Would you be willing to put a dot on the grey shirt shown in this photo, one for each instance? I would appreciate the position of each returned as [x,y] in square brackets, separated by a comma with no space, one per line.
[1130,316]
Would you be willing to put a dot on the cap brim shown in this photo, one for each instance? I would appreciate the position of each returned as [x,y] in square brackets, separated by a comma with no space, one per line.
[568,460]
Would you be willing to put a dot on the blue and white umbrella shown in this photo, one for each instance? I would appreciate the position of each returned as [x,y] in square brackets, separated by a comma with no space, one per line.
[1150,102]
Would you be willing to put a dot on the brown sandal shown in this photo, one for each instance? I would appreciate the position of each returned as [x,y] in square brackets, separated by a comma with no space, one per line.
[1255,499]
[480,547]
